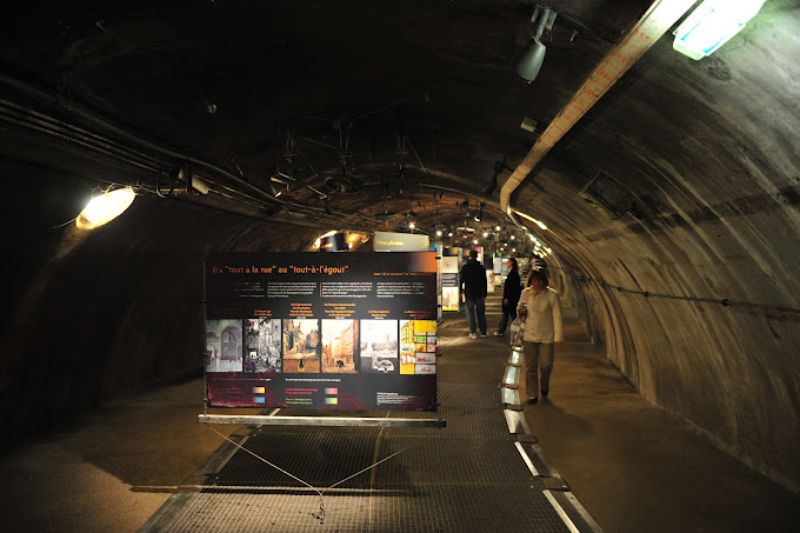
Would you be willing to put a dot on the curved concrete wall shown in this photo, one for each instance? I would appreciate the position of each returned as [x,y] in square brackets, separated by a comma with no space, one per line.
[715,178]
[94,315]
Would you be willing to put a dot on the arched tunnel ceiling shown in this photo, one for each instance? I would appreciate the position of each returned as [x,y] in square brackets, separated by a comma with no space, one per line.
[672,205]
[291,87]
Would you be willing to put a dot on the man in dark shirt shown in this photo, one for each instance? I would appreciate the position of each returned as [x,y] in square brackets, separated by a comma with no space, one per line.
[473,283]
[511,292]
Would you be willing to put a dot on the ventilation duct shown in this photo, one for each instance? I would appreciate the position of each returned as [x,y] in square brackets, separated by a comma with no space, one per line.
[606,191]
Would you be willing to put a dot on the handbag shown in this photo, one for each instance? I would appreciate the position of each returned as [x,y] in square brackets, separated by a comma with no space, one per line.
[517,329]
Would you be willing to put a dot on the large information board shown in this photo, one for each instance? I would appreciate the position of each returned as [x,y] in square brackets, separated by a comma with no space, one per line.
[309,330]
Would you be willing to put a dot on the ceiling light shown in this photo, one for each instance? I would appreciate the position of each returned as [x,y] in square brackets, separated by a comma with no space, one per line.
[105,208]
[450,234]
[497,228]
[531,61]
[513,237]
[474,241]
[485,234]
[438,233]
[411,225]
[712,24]
[199,185]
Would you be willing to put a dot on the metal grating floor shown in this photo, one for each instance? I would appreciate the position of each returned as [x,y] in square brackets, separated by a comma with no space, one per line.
[466,477]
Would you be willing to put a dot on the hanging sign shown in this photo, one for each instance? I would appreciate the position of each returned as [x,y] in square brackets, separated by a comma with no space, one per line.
[386,241]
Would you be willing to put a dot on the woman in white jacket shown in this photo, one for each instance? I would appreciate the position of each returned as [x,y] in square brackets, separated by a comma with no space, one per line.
[543,331]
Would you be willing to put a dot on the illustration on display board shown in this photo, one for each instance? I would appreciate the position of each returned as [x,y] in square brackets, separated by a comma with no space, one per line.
[339,346]
[379,346]
[262,345]
[223,346]
[301,345]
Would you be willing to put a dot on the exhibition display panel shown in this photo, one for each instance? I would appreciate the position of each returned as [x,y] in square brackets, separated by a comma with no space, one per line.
[349,332]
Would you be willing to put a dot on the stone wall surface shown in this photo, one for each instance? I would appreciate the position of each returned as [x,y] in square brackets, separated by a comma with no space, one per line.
[106,313]
[715,184]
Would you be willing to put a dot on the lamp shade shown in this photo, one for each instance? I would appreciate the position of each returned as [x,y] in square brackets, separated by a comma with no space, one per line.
[531,61]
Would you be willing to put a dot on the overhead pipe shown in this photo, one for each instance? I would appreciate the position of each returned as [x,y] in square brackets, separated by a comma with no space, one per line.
[659,18]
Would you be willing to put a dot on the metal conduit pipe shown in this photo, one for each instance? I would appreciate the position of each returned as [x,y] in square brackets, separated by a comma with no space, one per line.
[43,123]
[656,21]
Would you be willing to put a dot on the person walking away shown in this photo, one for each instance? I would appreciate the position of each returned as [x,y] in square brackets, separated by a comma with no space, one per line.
[511,292]
[543,332]
[473,283]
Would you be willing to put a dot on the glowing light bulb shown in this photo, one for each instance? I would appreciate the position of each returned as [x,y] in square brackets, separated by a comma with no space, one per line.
[105,208]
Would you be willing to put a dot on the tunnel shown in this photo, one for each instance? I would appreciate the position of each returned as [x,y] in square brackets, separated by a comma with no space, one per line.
[661,190]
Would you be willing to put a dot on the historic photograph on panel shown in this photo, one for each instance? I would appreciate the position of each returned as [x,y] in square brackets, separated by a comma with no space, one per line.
[300,345]
[417,347]
[339,346]
[262,345]
[379,346]
[223,346]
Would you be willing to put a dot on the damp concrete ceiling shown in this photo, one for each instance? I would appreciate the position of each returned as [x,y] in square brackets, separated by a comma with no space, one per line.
[671,206]
[417,100]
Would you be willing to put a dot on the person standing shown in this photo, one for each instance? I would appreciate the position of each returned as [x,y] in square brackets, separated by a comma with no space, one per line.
[543,332]
[473,283]
[511,292]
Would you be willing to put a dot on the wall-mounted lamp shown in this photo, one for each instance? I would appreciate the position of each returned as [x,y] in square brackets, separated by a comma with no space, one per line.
[531,61]
[712,24]
[105,207]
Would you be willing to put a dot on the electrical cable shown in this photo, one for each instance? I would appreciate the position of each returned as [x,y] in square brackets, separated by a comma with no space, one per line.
[725,302]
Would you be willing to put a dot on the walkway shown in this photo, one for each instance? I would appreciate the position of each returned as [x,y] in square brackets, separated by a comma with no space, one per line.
[630,464]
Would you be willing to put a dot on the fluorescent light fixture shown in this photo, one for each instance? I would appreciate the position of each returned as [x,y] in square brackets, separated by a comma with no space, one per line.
[712,24]
[199,185]
[105,208]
